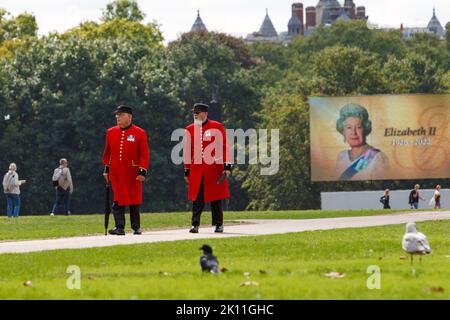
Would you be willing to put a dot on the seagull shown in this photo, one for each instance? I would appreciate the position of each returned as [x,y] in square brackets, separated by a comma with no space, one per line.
[415,242]
[208,261]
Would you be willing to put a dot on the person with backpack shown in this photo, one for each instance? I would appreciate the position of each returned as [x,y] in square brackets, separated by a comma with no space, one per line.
[62,181]
[11,187]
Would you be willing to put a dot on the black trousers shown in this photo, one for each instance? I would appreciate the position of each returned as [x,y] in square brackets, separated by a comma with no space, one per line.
[199,205]
[119,216]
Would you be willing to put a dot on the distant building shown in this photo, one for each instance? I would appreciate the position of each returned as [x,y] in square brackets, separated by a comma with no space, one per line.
[295,25]
[266,33]
[325,12]
[328,11]
[198,24]
[303,21]
[434,26]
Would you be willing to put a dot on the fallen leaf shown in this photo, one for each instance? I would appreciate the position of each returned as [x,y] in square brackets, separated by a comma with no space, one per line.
[249,284]
[335,275]
[403,257]
[223,270]
[262,272]
[437,289]
[91,278]
[28,283]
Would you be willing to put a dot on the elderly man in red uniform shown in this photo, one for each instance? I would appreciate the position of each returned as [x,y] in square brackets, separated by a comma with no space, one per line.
[206,162]
[126,159]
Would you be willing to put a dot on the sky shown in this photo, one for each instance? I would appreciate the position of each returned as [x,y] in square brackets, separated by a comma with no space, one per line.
[235,17]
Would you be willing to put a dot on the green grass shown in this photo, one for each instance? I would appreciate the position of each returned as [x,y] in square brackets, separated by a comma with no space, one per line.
[293,266]
[44,227]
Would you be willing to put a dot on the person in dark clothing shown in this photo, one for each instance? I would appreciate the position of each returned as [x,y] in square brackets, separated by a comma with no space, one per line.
[414,197]
[385,199]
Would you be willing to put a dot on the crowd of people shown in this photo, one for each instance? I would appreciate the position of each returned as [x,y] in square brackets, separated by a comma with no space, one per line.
[414,198]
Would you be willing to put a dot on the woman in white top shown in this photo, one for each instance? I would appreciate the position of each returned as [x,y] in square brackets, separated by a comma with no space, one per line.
[436,199]
[11,187]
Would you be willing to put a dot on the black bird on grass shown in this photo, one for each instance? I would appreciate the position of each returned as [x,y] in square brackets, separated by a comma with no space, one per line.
[208,261]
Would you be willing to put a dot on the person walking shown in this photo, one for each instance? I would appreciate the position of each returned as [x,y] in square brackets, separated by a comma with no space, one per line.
[414,197]
[126,159]
[206,166]
[62,181]
[11,188]
[385,199]
[436,198]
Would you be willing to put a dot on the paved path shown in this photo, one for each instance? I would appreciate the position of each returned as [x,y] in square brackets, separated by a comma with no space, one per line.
[250,228]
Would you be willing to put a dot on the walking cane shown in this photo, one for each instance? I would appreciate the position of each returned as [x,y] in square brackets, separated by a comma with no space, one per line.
[107,206]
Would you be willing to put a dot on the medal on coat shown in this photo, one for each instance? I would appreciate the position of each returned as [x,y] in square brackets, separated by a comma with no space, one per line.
[130,138]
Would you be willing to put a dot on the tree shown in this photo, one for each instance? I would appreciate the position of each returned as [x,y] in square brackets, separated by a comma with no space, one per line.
[447,37]
[16,27]
[430,47]
[447,34]
[290,188]
[217,67]
[143,35]
[414,74]
[353,33]
[121,19]
[346,71]
[61,93]
[123,9]
[15,32]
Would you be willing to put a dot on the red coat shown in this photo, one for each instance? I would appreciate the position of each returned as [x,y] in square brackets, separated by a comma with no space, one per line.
[204,155]
[126,151]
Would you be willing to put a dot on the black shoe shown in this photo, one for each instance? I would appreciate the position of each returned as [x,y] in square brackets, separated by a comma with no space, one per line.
[219,229]
[117,232]
[137,232]
[194,229]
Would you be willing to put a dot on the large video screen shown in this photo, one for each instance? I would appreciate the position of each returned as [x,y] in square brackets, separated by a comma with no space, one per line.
[384,137]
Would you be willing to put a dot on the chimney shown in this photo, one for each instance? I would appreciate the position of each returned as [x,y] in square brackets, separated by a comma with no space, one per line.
[310,17]
[350,8]
[297,9]
[361,13]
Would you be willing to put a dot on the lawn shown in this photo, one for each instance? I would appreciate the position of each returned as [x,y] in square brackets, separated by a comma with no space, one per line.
[289,266]
[45,227]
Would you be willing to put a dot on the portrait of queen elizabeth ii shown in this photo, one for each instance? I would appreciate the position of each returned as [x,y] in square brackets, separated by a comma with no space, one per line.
[362,161]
